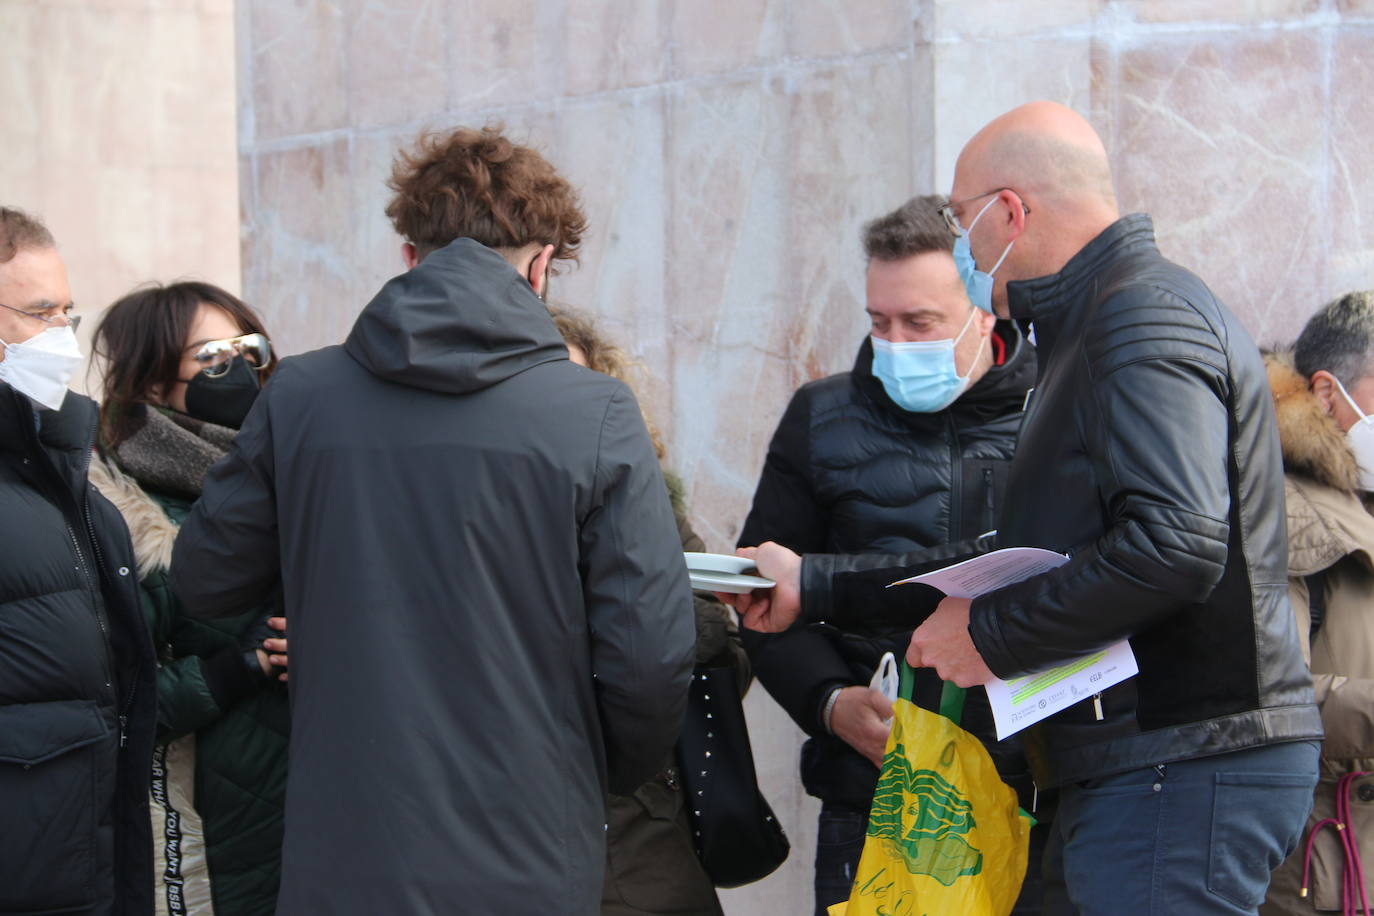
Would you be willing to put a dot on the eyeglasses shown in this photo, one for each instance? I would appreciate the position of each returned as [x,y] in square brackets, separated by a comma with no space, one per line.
[952,220]
[67,319]
[215,356]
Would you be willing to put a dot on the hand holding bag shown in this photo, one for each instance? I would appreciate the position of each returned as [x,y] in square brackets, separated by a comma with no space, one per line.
[945,834]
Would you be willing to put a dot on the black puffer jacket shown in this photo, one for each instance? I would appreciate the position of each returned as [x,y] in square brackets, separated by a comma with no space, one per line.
[1150,454]
[848,472]
[76,678]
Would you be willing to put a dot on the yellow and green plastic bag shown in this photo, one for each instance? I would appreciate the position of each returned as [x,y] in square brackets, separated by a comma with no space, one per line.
[945,834]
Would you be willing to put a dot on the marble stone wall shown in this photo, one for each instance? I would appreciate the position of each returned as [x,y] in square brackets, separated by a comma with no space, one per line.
[119,133]
[729,150]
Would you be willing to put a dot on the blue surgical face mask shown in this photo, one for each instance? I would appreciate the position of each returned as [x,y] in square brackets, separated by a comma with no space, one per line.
[920,376]
[976,282]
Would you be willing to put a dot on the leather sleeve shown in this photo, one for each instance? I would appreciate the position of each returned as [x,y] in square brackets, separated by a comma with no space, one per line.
[1154,422]
[851,590]
[638,601]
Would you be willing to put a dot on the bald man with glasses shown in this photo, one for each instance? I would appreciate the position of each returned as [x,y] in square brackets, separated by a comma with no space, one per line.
[1149,455]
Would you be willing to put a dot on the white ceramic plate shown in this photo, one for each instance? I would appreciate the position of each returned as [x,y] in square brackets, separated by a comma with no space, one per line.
[719,563]
[731,583]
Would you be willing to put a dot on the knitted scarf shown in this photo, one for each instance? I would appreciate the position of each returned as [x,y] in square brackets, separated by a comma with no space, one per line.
[171,452]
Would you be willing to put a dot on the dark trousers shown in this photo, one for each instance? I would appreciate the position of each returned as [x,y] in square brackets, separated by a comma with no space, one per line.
[1193,838]
[840,842]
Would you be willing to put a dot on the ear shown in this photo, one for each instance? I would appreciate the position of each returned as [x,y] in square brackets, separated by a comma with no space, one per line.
[539,271]
[410,255]
[984,322]
[1324,387]
[1016,213]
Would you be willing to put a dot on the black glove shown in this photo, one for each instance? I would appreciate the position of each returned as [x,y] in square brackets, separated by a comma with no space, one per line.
[250,642]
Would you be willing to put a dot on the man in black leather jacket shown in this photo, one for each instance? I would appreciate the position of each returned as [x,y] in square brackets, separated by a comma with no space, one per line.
[1150,455]
[850,470]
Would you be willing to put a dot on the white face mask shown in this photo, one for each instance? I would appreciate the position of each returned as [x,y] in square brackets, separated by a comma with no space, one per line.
[1361,439]
[41,366]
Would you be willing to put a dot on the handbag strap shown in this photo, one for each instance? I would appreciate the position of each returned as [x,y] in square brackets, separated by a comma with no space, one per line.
[951,697]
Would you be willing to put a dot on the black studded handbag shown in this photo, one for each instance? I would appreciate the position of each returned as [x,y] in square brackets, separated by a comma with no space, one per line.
[736,835]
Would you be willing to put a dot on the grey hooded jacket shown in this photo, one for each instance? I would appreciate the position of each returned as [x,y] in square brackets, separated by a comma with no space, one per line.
[489,614]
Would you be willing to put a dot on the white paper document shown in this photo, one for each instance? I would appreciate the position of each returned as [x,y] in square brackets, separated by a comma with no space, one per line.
[1023,701]
[989,571]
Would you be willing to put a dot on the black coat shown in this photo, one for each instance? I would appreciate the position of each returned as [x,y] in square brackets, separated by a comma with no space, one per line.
[76,678]
[1150,454]
[489,614]
[850,473]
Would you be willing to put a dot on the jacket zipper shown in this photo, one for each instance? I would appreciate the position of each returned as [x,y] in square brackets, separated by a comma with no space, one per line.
[92,584]
[956,483]
[989,510]
[91,589]
[100,567]
[1025,415]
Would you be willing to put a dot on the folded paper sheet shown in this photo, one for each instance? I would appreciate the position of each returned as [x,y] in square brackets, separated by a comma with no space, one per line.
[1023,701]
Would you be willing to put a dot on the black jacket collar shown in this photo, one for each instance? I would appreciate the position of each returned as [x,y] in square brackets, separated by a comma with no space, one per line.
[1040,298]
[71,429]
[62,439]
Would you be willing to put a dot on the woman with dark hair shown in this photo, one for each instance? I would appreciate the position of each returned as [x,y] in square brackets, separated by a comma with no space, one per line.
[651,863]
[182,365]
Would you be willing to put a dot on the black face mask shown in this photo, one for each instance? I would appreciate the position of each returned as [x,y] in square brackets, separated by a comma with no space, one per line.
[225,399]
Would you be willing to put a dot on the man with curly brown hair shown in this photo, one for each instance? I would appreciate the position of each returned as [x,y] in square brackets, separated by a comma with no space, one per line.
[490,619]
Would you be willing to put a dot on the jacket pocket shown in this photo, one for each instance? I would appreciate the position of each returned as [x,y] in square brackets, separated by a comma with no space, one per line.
[49,754]
[652,866]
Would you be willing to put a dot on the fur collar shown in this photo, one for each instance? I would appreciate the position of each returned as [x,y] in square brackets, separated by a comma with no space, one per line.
[1313,445]
[152,531]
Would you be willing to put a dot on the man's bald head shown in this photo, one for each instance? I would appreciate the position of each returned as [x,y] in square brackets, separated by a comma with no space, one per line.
[1060,193]
[1043,150]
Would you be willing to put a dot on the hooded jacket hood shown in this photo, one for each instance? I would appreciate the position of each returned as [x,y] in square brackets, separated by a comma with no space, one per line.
[459,321]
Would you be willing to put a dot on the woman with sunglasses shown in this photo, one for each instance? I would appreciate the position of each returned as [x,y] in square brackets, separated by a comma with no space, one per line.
[182,366]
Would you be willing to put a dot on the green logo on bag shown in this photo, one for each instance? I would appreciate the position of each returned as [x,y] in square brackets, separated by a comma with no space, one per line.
[924,819]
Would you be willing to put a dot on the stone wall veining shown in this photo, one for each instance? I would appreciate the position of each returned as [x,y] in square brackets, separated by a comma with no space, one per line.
[119,134]
[729,151]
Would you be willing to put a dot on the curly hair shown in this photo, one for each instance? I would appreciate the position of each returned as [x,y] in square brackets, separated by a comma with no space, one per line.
[478,184]
[580,331]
